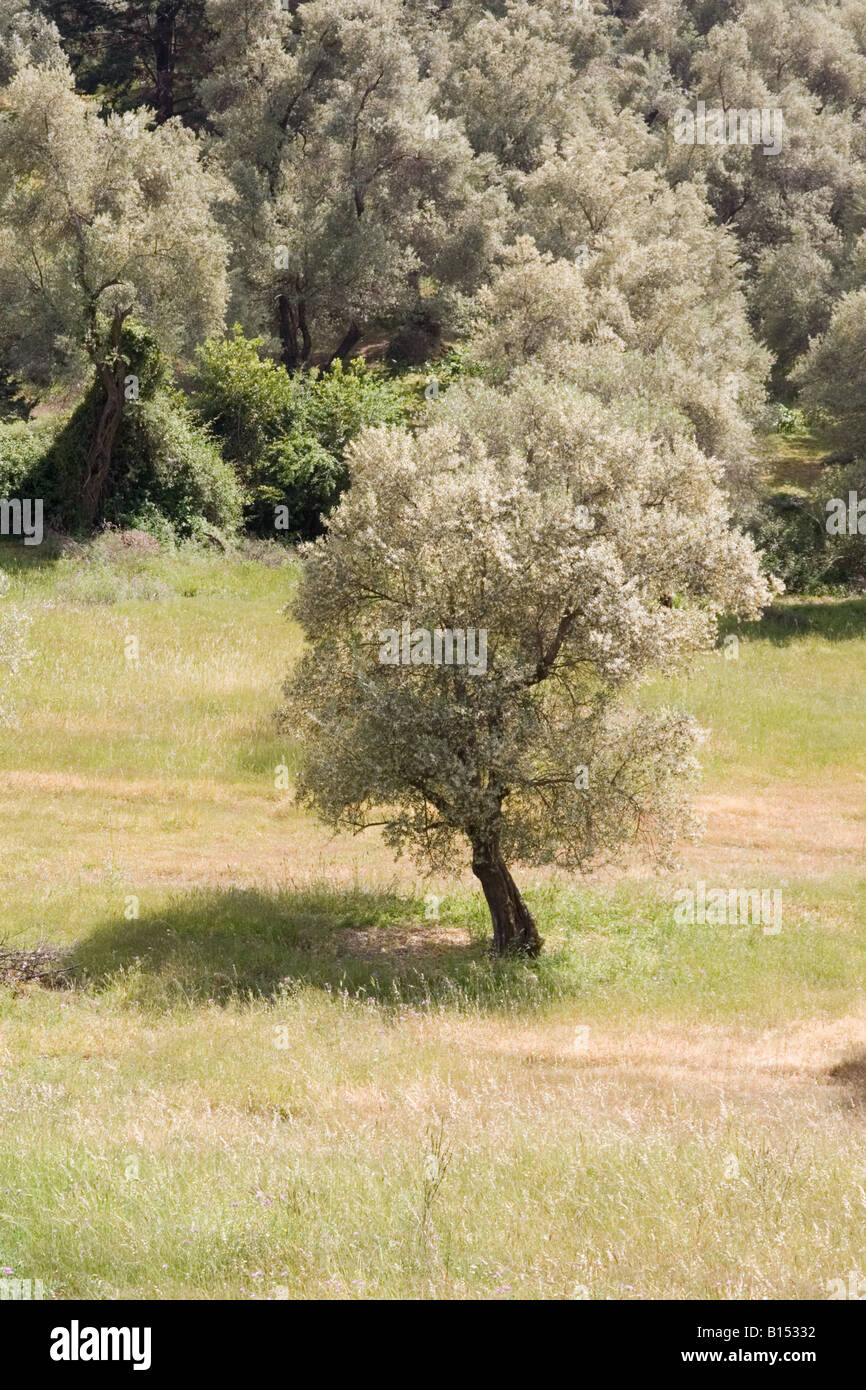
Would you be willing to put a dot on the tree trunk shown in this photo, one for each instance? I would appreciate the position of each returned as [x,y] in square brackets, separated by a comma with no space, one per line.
[163,47]
[110,374]
[99,453]
[514,929]
[287,323]
[353,336]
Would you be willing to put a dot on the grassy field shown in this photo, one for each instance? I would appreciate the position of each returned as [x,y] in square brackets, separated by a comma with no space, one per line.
[273,1063]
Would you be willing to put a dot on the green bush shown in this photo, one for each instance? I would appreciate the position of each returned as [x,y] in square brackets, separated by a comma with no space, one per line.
[287,435]
[298,473]
[21,447]
[789,420]
[163,465]
[791,529]
[246,399]
[342,401]
[16,401]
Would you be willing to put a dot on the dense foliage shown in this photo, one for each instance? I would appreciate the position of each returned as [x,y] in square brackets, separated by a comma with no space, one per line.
[331,172]
[163,462]
[287,434]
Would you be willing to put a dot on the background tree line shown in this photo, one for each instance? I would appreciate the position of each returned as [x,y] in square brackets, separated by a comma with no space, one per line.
[346,177]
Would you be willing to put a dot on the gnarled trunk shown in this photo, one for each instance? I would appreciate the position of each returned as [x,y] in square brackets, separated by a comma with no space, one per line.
[514,929]
[99,453]
[111,376]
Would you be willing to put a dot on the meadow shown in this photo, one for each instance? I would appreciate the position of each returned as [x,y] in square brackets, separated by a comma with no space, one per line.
[264,1062]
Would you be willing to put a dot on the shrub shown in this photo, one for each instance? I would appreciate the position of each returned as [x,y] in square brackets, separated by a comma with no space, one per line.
[164,464]
[789,420]
[21,447]
[789,531]
[345,400]
[303,476]
[246,399]
[16,402]
[287,435]
[168,465]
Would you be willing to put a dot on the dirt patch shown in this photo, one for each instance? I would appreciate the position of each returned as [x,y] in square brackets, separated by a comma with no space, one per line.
[804,831]
[414,941]
[766,1069]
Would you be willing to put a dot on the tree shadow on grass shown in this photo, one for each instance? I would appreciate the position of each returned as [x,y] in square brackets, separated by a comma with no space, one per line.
[851,1074]
[18,558]
[837,620]
[211,946]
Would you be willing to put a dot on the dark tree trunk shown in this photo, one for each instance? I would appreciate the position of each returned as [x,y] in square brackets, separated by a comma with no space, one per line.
[110,375]
[353,336]
[163,47]
[514,929]
[99,453]
[306,341]
[287,324]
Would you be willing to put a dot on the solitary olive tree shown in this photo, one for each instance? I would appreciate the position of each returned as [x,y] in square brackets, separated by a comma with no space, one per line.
[487,593]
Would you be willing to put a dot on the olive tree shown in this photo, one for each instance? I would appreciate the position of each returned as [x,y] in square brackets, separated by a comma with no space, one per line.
[349,188]
[661,280]
[487,595]
[832,375]
[101,220]
[26,36]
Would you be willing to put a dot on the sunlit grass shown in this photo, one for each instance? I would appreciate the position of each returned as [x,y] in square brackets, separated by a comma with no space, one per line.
[787,703]
[265,1040]
[795,460]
